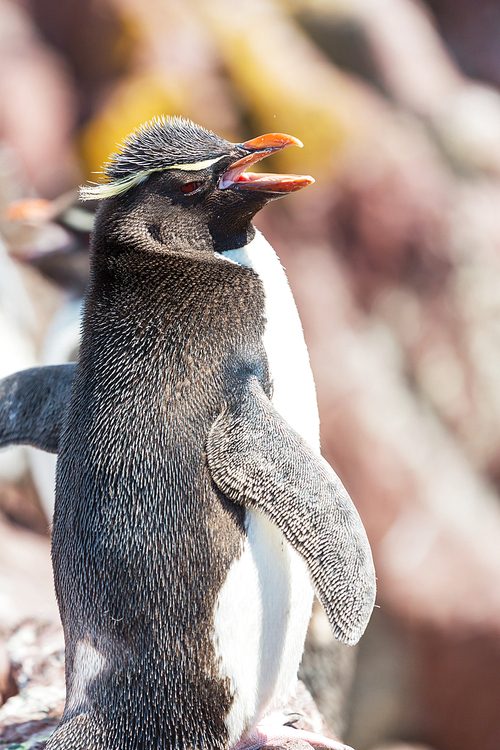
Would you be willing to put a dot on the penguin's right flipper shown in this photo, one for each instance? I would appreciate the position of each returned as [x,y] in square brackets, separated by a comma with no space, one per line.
[33,404]
[257,460]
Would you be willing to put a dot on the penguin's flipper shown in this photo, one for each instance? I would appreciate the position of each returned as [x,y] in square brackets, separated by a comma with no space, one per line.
[257,460]
[33,404]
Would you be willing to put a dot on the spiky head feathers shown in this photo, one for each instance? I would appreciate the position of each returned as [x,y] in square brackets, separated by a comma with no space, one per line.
[160,144]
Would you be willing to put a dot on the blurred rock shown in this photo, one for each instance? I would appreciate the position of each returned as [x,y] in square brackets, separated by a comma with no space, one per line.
[459,670]
[36,104]
[96,42]
[471,29]
[406,58]
[36,651]
[8,686]
[26,587]
[436,287]
[34,733]
[389,217]
[19,504]
[343,37]
[286,85]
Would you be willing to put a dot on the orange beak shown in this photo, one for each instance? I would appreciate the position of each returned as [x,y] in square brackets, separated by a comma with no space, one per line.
[259,148]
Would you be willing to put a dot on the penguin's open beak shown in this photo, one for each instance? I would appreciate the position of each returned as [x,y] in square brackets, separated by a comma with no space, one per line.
[259,148]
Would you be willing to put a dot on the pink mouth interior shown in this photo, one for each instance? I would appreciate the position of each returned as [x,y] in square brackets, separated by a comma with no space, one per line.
[237,173]
[279,183]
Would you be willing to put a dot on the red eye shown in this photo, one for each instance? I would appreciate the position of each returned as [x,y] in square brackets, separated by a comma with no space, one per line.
[190,186]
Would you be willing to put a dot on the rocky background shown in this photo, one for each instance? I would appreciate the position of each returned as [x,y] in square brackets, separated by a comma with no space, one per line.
[394,258]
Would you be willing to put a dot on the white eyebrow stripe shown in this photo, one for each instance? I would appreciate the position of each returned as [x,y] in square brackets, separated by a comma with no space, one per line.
[121,185]
[197,165]
[108,189]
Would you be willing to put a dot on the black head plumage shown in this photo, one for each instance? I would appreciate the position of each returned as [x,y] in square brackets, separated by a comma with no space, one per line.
[162,143]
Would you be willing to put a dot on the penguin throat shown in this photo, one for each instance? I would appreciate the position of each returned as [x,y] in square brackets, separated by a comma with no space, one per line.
[217,239]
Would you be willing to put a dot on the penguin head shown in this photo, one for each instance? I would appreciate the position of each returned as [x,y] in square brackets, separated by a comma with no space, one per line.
[175,186]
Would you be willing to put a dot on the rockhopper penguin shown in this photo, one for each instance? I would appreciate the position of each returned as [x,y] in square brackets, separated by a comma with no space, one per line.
[194,514]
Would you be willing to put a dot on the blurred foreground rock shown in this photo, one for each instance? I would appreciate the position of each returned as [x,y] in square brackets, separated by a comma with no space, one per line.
[33,695]
[36,654]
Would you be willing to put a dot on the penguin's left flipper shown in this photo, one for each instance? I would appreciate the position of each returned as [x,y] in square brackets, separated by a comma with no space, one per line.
[257,460]
[33,404]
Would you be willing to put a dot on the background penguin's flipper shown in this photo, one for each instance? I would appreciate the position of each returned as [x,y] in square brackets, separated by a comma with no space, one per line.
[33,404]
[259,461]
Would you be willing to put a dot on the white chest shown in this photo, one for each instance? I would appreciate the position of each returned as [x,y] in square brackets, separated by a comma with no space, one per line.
[264,606]
[294,391]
